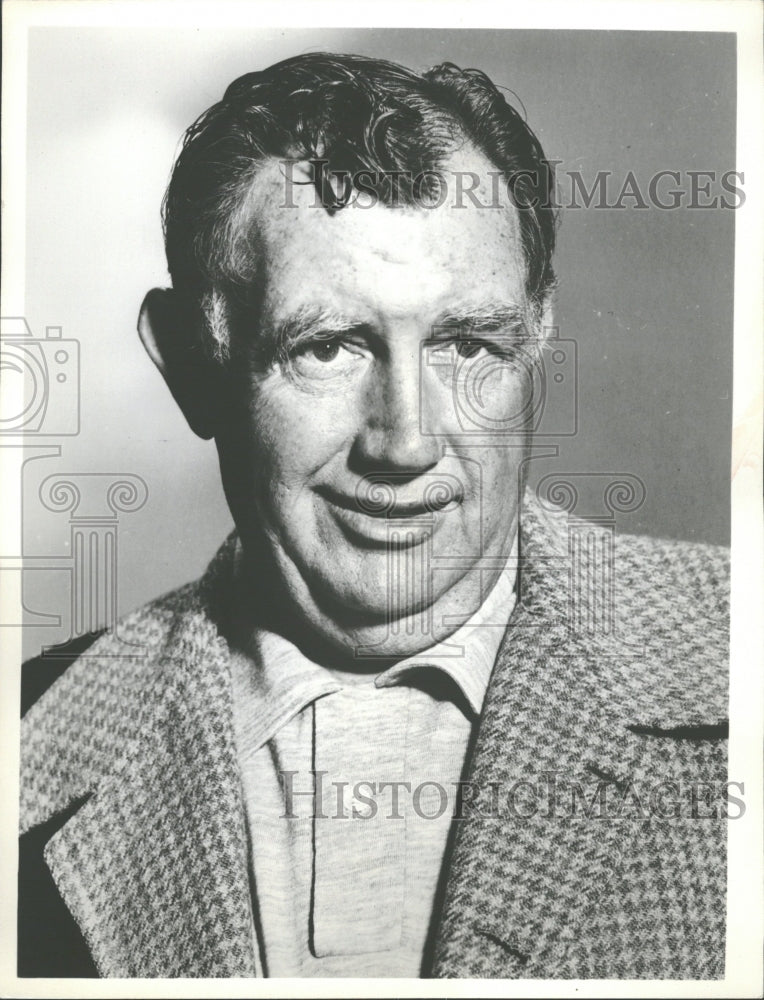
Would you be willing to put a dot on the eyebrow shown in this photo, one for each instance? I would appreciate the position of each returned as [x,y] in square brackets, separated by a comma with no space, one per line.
[483,316]
[310,322]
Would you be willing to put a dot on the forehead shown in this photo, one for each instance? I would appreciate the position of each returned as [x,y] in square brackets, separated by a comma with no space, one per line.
[381,261]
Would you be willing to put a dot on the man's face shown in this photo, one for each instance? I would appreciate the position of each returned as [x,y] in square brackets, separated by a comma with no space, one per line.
[350,459]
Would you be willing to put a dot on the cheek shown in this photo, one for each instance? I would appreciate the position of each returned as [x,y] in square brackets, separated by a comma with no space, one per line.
[493,475]
[292,435]
[505,394]
[493,398]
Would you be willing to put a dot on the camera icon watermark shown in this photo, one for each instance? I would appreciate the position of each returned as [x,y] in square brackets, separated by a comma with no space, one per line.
[41,381]
[545,366]
[40,402]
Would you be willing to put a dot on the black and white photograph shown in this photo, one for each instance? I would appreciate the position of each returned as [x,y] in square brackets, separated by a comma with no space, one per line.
[382,534]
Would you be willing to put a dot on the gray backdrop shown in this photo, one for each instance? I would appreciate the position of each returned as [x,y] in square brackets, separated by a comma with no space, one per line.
[645,294]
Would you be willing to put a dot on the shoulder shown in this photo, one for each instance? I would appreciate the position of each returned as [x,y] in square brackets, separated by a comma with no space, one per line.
[649,615]
[654,576]
[671,599]
[86,708]
[694,573]
[81,703]
[137,634]
[674,596]
[118,656]
[120,661]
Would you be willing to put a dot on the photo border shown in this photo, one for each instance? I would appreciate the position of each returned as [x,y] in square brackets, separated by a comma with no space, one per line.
[745,868]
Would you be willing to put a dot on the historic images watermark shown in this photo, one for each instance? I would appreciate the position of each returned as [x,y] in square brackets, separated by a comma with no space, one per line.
[552,795]
[666,190]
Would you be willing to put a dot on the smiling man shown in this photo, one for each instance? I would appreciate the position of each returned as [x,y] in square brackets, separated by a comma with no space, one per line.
[340,752]
[365,320]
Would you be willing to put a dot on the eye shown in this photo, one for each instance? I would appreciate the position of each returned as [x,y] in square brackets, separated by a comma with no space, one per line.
[324,350]
[470,348]
[325,357]
[467,348]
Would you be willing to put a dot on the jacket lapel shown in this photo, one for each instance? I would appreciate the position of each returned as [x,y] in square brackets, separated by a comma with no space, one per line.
[154,865]
[553,737]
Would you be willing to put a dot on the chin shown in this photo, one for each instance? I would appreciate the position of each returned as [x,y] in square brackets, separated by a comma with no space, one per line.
[371,606]
[376,593]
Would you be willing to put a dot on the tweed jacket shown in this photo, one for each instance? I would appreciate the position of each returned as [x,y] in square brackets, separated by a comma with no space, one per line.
[129,779]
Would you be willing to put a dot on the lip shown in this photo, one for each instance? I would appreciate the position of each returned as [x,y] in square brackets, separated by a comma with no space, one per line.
[401,524]
[394,511]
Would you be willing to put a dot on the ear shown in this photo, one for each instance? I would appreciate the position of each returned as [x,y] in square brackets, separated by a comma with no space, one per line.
[193,379]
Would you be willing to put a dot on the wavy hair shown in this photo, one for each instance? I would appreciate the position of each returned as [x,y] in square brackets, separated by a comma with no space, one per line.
[352,113]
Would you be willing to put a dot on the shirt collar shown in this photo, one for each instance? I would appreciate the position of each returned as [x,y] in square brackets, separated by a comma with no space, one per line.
[274,680]
[469,654]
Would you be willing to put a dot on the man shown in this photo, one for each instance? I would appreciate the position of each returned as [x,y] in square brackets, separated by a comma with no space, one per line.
[361,263]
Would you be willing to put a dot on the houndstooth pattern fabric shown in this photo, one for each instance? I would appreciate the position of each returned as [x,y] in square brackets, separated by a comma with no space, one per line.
[154,865]
[154,868]
[634,894]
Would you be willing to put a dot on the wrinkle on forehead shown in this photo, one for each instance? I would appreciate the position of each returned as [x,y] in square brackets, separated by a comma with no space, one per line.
[386,264]
[280,200]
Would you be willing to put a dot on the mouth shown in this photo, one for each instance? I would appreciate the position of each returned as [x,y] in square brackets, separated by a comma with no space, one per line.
[377,515]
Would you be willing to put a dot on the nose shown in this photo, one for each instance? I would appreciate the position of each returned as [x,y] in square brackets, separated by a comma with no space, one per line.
[396,434]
